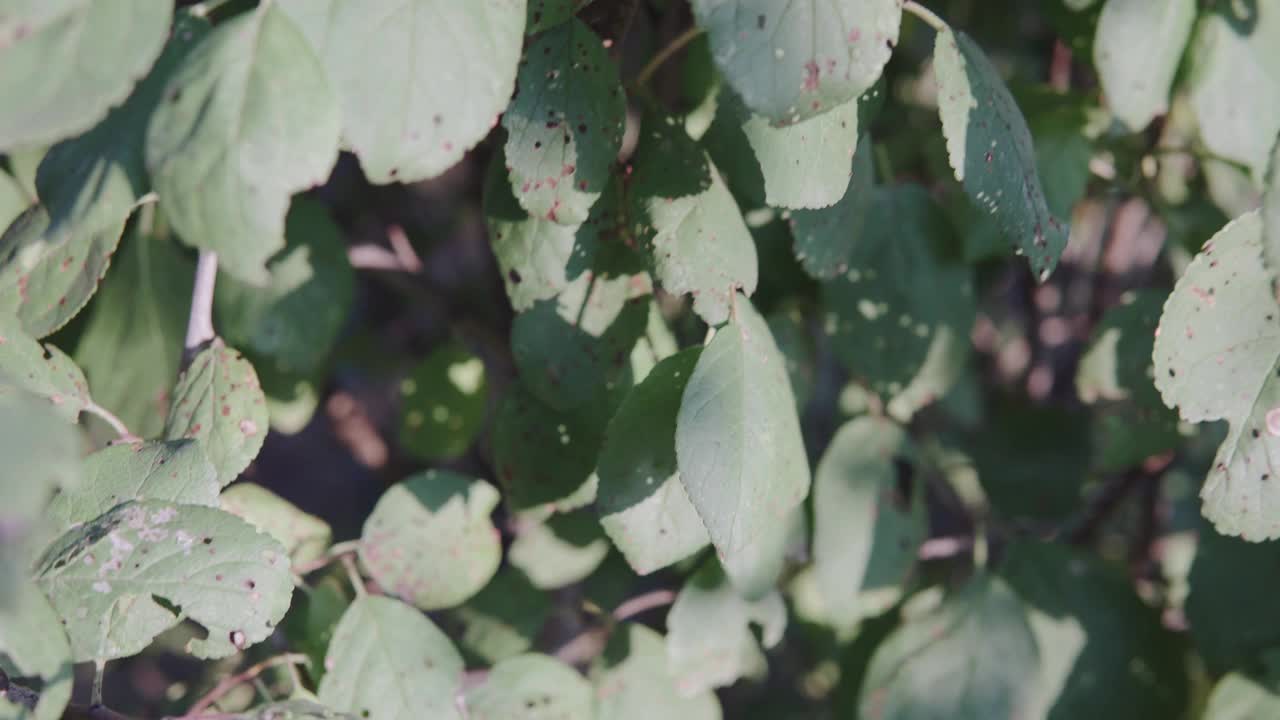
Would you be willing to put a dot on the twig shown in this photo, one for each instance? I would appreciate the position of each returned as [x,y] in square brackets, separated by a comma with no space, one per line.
[95,693]
[643,603]
[590,642]
[200,322]
[673,47]
[336,551]
[353,574]
[116,423]
[925,14]
[227,684]
[940,548]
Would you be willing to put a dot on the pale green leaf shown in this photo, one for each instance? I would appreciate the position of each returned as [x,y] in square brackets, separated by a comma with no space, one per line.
[445,70]
[868,517]
[991,152]
[740,454]
[13,199]
[806,165]
[531,687]
[248,119]
[34,645]
[132,343]
[632,682]
[296,709]
[560,551]
[1216,356]
[1243,696]
[219,402]
[442,403]
[754,571]
[63,63]
[314,615]
[305,537]
[429,540]
[1136,51]
[795,60]
[42,370]
[972,657]
[564,126]
[388,661]
[503,619]
[711,642]
[107,579]
[642,504]
[825,239]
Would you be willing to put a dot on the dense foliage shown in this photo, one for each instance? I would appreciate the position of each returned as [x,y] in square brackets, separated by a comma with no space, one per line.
[644,358]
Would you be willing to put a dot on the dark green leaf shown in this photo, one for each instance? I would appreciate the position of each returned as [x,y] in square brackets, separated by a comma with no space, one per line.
[442,404]
[542,455]
[504,618]
[1137,49]
[825,239]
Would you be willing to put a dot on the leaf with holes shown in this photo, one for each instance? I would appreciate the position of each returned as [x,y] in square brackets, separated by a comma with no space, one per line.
[219,402]
[429,540]
[564,126]
[991,152]
[632,681]
[248,119]
[34,645]
[387,660]
[305,537]
[418,120]
[42,370]
[1216,356]
[797,60]
[1136,51]
[825,239]
[530,687]
[442,404]
[123,578]
[64,63]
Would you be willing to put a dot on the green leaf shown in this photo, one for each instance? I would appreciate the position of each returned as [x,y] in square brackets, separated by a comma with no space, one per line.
[546,14]
[898,306]
[1242,696]
[1103,652]
[825,239]
[219,402]
[1033,460]
[566,349]
[132,343]
[503,619]
[564,126]
[295,319]
[667,162]
[1230,608]
[296,709]
[13,199]
[1234,84]
[799,60]
[632,682]
[560,551]
[1136,51]
[248,119]
[123,578]
[701,246]
[176,471]
[991,152]
[868,517]
[63,63]
[1063,153]
[442,403]
[42,370]
[1271,212]
[807,164]
[388,660]
[429,540]
[314,616]
[790,330]
[741,457]
[710,640]
[305,537]
[643,506]
[445,72]
[33,645]
[1216,355]
[531,687]
[543,455]
[754,571]
[973,654]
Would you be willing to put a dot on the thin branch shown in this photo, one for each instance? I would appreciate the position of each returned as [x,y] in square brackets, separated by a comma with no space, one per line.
[335,552]
[643,603]
[228,684]
[665,54]
[940,548]
[95,693]
[353,574]
[110,418]
[200,322]
[925,14]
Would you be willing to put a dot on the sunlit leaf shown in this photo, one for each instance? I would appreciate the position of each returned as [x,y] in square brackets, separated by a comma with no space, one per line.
[305,537]
[1137,49]
[42,370]
[531,687]
[560,551]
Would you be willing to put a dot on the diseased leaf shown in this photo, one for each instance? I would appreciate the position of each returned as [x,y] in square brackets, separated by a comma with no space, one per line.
[805,165]
[42,370]
[107,579]
[445,71]
[564,126]
[710,640]
[531,687]
[643,506]
[63,63]
[429,540]
[825,239]
[542,455]
[632,681]
[387,660]
[219,402]
[561,550]
[972,656]
[33,645]
[1136,51]
[740,455]
[868,517]
[991,152]
[443,403]
[295,320]
[1216,356]
[797,60]
[504,618]
[248,119]
[305,537]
